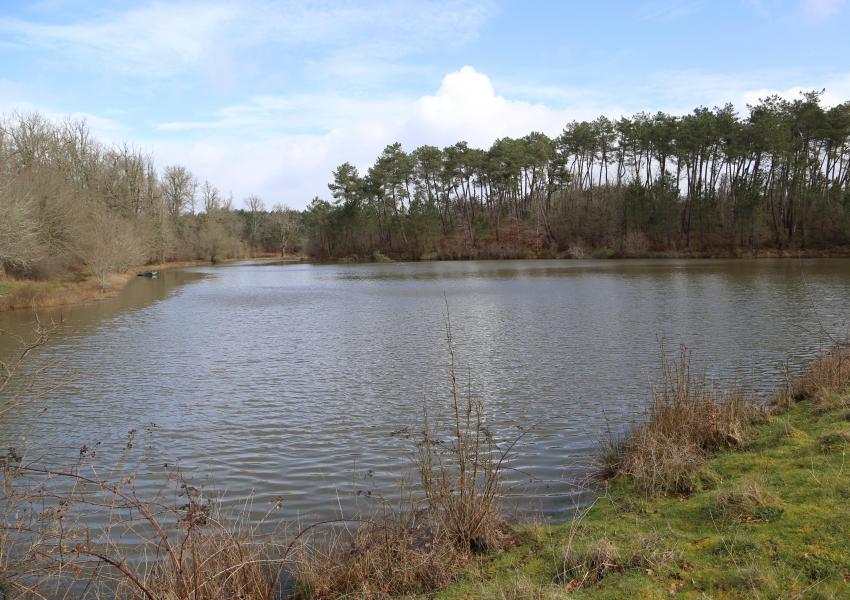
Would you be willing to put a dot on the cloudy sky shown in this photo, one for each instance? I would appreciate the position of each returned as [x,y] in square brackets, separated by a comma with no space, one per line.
[267,97]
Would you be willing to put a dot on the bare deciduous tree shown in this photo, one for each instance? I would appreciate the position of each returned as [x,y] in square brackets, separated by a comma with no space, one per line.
[111,247]
[178,188]
[255,206]
[20,245]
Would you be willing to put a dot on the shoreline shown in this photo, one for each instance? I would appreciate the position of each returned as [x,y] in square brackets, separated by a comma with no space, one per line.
[765,516]
[380,258]
[78,288]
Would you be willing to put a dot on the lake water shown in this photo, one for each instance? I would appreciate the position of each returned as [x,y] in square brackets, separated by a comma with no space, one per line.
[302,382]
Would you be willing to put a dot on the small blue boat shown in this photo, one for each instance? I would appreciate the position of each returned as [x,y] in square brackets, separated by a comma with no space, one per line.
[151,274]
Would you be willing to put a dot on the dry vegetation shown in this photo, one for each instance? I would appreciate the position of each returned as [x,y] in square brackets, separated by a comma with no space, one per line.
[188,549]
[685,423]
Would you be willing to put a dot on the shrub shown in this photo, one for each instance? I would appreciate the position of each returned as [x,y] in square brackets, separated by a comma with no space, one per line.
[400,551]
[828,374]
[684,424]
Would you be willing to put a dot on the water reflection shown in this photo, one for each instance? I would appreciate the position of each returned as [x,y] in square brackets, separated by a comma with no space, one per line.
[291,379]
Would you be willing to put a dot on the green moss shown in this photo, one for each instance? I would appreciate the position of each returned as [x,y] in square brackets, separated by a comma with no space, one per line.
[771,520]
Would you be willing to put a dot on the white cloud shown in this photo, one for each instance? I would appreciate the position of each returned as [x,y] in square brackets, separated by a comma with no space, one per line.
[284,147]
[105,129]
[837,90]
[271,115]
[467,107]
[157,40]
[819,10]
[357,41]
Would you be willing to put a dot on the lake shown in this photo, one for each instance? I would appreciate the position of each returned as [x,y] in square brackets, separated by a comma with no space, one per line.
[306,383]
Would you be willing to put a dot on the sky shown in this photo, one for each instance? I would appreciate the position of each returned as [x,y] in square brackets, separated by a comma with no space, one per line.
[266,97]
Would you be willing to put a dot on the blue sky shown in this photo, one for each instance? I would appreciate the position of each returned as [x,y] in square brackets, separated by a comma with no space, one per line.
[267,97]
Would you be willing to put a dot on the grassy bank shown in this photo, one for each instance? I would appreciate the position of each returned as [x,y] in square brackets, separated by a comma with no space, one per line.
[768,517]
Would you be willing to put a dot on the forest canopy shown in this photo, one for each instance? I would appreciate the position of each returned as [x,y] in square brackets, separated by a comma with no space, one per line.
[711,181]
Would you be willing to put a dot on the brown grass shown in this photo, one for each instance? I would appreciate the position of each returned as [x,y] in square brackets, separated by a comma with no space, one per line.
[462,479]
[395,553]
[190,550]
[81,288]
[685,423]
[821,380]
[27,294]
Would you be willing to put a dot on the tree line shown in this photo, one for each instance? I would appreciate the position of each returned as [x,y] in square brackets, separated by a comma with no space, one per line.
[68,202]
[707,182]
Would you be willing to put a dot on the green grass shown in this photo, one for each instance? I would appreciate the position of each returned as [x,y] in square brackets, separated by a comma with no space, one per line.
[776,525]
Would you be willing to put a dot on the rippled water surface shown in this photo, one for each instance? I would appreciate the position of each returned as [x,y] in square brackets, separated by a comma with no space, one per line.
[300,381]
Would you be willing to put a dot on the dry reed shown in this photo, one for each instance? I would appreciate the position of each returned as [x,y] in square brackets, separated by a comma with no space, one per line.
[685,422]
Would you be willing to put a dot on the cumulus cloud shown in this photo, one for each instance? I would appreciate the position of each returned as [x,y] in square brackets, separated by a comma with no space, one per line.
[257,146]
[284,147]
[467,107]
[836,90]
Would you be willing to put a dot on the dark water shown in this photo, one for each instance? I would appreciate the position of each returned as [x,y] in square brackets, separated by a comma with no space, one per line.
[294,380]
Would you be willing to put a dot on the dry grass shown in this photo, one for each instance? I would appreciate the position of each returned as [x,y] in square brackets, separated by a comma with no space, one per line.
[462,479]
[827,375]
[186,549]
[189,550]
[685,423]
[46,294]
[81,288]
[395,553]
[587,562]
[521,587]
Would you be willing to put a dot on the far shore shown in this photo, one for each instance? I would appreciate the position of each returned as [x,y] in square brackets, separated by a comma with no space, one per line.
[604,254]
[83,288]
